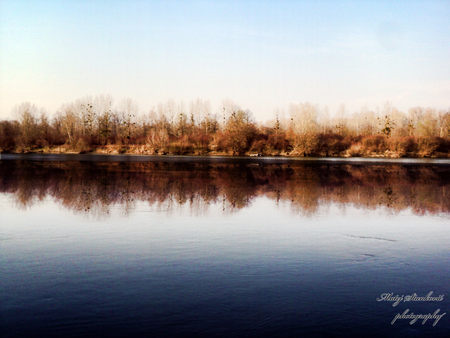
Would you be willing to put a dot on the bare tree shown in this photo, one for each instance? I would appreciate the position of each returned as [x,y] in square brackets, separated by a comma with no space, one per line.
[158,139]
[324,120]
[27,116]
[228,108]
[70,121]
[341,120]
[428,123]
[104,107]
[169,113]
[198,111]
[386,121]
[304,127]
[182,119]
[128,109]
[240,130]
[444,123]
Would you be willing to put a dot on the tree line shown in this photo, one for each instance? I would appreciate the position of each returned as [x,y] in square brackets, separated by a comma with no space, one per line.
[303,129]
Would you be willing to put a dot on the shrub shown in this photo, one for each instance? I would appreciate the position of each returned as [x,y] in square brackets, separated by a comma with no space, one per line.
[200,142]
[305,144]
[375,144]
[443,144]
[403,145]
[83,145]
[8,130]
[258,146]
[42,143]
[278,142]
[179,147]
[356,150]
[332,144]
[427,145]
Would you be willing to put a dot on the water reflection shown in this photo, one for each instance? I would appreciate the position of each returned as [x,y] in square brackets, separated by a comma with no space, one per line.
[94,187]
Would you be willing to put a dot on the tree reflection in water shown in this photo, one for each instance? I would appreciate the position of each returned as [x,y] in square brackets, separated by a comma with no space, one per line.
[93,187]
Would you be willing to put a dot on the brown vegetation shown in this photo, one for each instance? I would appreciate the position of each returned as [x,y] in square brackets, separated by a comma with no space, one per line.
[95,125]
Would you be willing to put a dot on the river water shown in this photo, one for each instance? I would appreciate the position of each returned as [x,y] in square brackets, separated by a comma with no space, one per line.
[220,247]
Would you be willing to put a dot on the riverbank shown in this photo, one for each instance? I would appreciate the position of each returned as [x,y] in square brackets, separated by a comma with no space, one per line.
[224,159]
[146,150]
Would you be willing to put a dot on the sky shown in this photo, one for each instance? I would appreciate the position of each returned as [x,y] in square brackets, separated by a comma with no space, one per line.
[260,54]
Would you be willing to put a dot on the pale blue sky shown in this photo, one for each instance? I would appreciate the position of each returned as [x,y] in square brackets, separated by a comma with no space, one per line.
[261,54]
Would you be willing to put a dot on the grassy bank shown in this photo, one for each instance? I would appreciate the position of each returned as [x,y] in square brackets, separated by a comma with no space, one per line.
[364,147]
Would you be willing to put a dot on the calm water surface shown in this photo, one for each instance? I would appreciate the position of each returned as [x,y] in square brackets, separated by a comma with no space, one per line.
[222,248]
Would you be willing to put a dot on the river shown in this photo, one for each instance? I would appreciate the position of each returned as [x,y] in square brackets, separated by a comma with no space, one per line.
[194,246]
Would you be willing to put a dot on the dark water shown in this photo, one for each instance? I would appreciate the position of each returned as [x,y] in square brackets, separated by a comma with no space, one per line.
[173,248]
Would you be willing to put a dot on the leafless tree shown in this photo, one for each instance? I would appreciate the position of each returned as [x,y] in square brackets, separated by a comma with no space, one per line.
[304,127]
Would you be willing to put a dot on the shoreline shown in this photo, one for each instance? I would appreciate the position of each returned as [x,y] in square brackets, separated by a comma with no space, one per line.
[147,151]
[96,157]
